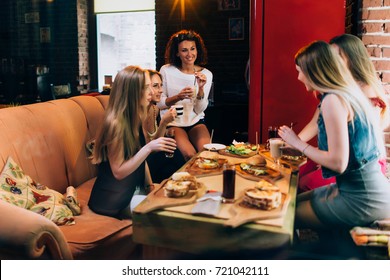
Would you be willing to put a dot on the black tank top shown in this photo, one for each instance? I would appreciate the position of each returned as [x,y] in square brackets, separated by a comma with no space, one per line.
[110,196]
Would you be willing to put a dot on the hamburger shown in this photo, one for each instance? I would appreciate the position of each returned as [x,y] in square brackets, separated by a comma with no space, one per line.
[208,160]
[264,196]
[176,188]
[255,165]
[257,160]
[180,184]
[185,177]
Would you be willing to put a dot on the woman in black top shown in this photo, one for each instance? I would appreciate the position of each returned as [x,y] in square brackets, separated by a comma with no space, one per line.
[120,148]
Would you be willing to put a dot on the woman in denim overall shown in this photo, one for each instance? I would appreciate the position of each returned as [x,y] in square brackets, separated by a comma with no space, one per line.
[349,138]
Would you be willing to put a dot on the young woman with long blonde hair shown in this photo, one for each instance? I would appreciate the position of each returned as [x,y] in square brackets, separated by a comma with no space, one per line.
[121,149]
[349,143]
[357,59]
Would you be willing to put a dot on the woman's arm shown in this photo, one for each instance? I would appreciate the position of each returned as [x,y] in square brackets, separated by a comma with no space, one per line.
[336,117]
[170,98]
[168,117]
[121,169]
[204,79]
[148,177]
[311,129]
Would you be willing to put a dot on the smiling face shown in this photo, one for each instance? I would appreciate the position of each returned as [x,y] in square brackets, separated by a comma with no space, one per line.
[302,78]
[157,90]
[187,52]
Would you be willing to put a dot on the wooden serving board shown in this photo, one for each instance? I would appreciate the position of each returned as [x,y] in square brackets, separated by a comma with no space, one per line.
[227,153]
[157,199]
[242,214]
[271,176]
[293,164]
[195,170]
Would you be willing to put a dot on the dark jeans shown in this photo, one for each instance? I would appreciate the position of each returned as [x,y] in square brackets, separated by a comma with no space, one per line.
[162,167]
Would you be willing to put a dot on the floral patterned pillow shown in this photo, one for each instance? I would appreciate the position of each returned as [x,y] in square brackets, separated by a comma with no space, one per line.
[15,186]
[19,189]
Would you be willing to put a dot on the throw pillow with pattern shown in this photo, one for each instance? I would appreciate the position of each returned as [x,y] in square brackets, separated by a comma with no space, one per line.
[19,189]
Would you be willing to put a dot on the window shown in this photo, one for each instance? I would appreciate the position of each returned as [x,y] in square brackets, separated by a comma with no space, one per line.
[125,38]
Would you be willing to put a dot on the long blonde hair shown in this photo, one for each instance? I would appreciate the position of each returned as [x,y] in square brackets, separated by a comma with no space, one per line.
[362,68]
[327,73]
[123,115]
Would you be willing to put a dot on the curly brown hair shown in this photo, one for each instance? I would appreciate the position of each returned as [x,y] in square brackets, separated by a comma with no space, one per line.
[173,46]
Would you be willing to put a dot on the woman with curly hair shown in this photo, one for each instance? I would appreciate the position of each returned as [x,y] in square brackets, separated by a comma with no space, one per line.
[186,82]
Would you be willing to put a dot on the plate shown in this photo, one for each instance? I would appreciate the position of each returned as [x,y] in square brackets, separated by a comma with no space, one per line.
[214,146]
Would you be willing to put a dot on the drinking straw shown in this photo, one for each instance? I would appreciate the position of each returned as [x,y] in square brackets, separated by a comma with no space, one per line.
[211,137]
[195,77]
[292,124]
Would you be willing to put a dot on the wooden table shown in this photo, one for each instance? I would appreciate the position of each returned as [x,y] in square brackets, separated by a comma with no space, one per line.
[207,237]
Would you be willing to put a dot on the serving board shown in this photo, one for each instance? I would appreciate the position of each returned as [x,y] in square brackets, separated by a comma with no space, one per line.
[242,214]
[227,153]
[293,164]
[195,170]
[271,176]
[157,199]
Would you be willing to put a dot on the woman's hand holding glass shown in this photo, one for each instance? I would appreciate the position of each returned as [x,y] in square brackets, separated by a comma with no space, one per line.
[162,144]
[169,116]
[187,93]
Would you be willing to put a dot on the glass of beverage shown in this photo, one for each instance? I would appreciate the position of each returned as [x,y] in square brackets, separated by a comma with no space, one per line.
[229,182]
[188,108]
[275,145]
[170,133]
[193,95]
[179,110]
[272,133]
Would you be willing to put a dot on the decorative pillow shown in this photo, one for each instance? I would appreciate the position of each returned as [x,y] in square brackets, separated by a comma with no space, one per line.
[50,204]
[19,189]
[15,186]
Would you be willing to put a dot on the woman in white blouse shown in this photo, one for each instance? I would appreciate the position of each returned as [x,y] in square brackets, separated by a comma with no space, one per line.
[186,82]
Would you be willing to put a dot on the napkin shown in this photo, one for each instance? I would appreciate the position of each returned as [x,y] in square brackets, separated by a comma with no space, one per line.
[209,204]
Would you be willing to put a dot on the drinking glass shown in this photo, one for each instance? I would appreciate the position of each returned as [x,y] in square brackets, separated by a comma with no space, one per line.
[272,133]
[275,145]
[193,96]
[170,133]
[229,182]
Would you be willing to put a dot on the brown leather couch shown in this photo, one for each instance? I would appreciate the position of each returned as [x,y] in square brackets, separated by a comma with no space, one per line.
[48,141]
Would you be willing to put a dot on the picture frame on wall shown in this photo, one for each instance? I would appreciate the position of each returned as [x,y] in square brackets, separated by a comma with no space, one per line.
[229,5]
[45,36]
[236,28]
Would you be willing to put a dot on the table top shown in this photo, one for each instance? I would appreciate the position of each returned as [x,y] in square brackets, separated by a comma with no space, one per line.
[177,229]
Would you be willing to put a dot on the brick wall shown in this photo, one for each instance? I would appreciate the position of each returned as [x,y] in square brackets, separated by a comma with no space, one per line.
[375,33]
[66,53]
[83,52]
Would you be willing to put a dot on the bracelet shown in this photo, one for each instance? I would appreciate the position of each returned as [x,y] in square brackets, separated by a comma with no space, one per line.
[304,149]
[199,97]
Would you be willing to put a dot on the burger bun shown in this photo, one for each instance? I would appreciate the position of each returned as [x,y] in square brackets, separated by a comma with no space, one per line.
[257,160]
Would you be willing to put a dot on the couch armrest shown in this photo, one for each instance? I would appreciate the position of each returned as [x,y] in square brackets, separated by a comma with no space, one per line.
[27,235]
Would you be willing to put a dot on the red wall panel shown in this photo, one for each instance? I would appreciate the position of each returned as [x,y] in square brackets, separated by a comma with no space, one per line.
[278,30]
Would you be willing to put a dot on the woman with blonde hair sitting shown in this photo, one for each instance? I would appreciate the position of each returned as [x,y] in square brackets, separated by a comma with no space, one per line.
[349,143]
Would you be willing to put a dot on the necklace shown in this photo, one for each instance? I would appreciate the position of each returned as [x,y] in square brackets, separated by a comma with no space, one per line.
[152,122]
